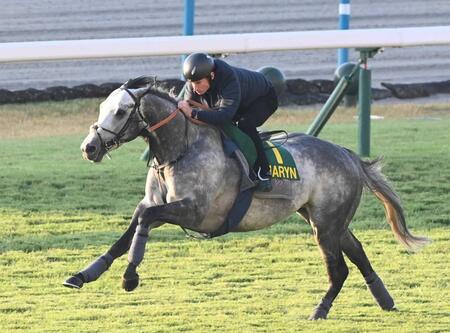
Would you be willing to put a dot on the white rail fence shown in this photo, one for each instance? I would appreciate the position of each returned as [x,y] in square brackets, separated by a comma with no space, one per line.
[224,43]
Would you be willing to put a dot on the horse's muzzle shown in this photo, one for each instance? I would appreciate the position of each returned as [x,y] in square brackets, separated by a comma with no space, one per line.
[89,152]
[91,147]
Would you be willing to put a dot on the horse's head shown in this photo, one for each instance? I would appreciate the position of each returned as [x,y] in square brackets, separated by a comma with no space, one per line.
[120,120]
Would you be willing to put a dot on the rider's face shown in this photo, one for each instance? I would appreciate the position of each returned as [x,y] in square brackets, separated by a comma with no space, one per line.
[201,86]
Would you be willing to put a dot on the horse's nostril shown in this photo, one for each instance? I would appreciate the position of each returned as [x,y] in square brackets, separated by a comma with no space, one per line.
[90,149]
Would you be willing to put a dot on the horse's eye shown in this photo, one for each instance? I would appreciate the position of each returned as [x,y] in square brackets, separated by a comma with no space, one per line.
[120,112]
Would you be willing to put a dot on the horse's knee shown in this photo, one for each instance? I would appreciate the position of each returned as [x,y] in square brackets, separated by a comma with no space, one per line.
[149,215]
[145,216]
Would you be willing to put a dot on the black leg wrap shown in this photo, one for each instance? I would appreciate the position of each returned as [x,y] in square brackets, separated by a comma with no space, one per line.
[137,250]
[90,273]
[321,310]
[379,292]
[97,268]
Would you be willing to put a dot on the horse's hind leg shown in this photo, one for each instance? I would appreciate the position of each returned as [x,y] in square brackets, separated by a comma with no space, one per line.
[337,269]
[355,252]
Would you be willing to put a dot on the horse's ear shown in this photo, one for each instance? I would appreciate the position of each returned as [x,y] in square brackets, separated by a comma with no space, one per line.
[140,85]
[126,84]
[142,91]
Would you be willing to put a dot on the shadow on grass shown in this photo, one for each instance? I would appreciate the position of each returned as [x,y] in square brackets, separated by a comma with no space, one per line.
[73,241]
[80,240]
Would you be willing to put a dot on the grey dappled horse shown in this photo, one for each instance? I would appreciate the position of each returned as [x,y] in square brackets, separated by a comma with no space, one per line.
[195,183]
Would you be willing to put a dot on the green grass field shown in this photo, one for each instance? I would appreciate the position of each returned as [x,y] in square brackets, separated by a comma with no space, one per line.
[58,212]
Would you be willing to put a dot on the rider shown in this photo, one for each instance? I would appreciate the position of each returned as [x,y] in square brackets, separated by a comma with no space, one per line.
[239,95]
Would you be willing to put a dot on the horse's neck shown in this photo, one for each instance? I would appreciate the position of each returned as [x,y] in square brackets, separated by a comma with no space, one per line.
[169,142]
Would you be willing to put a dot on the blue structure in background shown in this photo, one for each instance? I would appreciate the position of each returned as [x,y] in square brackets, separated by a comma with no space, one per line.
[344,23]
[189,7]
[188,22]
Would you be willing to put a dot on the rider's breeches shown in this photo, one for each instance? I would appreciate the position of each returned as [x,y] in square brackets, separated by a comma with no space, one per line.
[253,116]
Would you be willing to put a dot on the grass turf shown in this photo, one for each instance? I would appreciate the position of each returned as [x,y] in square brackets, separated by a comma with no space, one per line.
[58,212]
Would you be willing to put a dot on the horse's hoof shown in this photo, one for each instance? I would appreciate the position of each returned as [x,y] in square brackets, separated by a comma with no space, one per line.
[393,309]
[321,310]
[73,282]
[318,314]
[130,283]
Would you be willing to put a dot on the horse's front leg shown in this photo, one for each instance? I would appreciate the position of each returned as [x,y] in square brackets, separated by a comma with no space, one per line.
[100,265]
[180,212]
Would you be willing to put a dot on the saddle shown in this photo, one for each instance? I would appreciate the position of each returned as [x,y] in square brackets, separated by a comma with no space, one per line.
[282,167]
[281,162]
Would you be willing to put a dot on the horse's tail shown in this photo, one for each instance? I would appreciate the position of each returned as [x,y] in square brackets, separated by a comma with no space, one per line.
[377,183]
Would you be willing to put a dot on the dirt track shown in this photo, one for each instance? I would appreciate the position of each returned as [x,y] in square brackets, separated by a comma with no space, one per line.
[63,19]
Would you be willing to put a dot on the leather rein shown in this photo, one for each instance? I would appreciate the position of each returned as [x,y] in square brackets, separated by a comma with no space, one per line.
[171,116]
[164,122]
[174,113]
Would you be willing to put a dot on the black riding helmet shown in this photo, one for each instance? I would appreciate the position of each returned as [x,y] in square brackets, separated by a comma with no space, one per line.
[197,66]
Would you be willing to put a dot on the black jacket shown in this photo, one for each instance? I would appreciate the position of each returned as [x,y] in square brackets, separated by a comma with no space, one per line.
[231,91]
